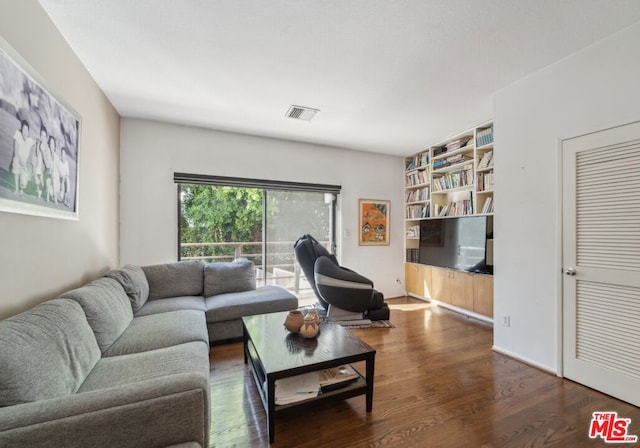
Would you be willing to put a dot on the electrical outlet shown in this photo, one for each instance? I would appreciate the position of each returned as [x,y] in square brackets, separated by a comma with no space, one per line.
[506,320]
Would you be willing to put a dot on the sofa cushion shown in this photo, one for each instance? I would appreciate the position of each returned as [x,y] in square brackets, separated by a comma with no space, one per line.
[172,304]
[184,278]
[45,352]
[134,283]
[192,357]
[107,308]
[160,331]
[266,299]
[225,277]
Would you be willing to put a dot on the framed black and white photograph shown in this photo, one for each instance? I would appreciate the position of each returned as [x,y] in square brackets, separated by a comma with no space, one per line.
[39,143]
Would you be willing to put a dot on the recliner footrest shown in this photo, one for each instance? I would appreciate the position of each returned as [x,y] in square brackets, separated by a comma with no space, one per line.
[381,313]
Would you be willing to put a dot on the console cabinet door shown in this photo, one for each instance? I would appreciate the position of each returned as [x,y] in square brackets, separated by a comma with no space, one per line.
[483,294]
[440,284]
[461,289]
[452,287]
[417,278]
[412,274]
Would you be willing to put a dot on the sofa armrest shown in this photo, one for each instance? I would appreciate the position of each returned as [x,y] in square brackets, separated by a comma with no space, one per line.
[165,411]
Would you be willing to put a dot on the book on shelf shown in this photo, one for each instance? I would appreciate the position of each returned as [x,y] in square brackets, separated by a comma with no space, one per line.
[338,375]
[420,194]
[485,181]
[486,159]
[424,158]
[484,136]
[439,150]
[417,161]
[416,178]
[413,232]
[309,385]
[450,161]
[425,211]
[454,179]
[297,388]
[488,205]
[415,211]
[413,255]
[410,165]
[456,208]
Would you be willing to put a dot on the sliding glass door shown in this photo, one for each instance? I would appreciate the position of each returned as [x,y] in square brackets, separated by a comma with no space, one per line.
[220,222]
[289,215]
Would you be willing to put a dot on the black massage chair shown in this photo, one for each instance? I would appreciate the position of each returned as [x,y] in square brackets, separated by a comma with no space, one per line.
[339,290]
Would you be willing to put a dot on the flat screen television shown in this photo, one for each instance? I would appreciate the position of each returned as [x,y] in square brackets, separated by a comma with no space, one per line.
[457,243]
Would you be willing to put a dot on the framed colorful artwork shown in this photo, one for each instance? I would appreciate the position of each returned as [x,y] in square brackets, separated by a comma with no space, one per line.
[373,222]
[39,143]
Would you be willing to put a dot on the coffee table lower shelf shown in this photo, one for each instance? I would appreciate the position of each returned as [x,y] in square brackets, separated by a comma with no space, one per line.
[265,383]
[358,387]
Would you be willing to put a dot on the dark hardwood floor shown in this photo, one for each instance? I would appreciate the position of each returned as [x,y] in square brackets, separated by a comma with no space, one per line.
[437,384]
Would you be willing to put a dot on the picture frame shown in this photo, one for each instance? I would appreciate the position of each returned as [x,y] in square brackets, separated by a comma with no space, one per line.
[39,143]
[373,222]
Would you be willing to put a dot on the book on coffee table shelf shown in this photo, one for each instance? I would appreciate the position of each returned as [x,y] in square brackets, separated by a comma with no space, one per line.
[297,388]
[308,385]
[337,377]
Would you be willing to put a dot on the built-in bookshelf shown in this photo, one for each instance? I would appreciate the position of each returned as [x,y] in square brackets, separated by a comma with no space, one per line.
[453,177]
[484,169]
[417,187]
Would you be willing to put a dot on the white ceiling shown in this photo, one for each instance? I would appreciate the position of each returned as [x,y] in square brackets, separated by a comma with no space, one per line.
[389,76]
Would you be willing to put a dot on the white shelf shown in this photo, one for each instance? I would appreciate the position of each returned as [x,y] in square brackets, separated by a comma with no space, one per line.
[484,170]
[451,190]
[420,168]
[484,192]
[444,155]
[454,167]
[414,187]
[426,201]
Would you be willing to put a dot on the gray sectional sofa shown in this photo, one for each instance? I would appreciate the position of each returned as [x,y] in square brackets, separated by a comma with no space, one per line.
[124,360]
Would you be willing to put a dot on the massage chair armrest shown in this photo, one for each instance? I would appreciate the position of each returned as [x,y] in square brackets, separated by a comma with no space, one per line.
[326,267]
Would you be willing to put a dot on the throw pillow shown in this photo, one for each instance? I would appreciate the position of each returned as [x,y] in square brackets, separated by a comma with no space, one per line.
[182,278]
[134,282]
[234,276]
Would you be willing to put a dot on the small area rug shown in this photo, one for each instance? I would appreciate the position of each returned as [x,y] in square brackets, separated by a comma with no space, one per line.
[373,324]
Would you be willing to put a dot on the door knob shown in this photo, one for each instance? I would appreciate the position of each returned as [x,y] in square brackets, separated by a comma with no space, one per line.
[571,272]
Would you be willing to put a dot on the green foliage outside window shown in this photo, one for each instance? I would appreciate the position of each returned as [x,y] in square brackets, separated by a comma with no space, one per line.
[219,215]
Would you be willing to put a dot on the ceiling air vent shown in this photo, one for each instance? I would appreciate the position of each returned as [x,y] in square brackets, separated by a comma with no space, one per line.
[301,113]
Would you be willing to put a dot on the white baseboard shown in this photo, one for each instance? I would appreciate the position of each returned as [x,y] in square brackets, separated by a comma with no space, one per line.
[527,361]
[456,309]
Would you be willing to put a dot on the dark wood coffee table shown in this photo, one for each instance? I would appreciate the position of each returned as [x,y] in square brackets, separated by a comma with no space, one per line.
[275,353]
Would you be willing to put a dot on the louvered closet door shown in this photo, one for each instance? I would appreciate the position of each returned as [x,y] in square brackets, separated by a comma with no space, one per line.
[601,261]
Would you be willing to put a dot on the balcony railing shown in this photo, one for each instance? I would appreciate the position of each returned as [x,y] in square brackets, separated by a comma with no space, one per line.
[280,267]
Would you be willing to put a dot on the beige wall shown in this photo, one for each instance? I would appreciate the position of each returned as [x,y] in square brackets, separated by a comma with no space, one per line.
[593,89]
[42,257]
[151,152]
